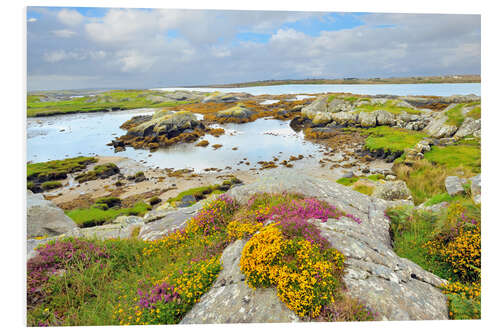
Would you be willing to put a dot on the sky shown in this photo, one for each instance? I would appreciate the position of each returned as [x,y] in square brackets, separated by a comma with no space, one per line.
[77,48]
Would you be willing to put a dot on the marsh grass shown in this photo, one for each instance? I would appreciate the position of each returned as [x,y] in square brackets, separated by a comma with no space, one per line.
[455,115]
[391,139]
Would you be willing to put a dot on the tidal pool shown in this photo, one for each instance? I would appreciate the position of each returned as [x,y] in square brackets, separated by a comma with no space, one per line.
[60,137]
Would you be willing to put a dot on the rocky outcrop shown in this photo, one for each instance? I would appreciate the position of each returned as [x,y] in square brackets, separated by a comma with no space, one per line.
[470,126]
[231,300]
[236,113]
[438,127]
[392,190]
[44,218]
[394,287]
[167,123]
[454,185]
[376,118]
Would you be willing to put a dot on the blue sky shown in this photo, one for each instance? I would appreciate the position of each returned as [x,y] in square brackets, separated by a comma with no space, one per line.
[140,48]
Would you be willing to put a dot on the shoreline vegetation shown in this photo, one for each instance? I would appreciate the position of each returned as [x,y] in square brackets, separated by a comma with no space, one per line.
[392,80]
[147,247]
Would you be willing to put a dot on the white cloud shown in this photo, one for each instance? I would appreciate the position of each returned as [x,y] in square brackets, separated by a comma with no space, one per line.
[31,20]
[133,61]
[70,17]
[64,33]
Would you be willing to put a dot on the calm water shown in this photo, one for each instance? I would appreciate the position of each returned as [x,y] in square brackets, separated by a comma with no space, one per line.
[88,134]
[435,89]
[65,136]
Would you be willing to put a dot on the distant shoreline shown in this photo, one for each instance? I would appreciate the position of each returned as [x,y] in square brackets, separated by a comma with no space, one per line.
[353,81]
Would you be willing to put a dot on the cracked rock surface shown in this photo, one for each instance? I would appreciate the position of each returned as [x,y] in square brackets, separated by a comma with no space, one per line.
[396,288]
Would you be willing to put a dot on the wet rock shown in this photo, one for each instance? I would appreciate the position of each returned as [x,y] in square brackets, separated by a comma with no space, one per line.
[392,190]
[231,300]
[454,185]
[186,201]
[44,218]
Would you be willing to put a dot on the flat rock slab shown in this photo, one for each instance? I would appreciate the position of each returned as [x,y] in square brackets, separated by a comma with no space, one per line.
[170,221]
[454,185]
[230,300]
[44,218]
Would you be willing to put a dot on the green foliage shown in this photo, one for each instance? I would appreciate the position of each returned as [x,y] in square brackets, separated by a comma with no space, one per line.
[455,116]
[88,217]
[110,100]
[438,198]
[464,308]
[53,170]
[466,155]
[391,139]
[99,171]
[50,185]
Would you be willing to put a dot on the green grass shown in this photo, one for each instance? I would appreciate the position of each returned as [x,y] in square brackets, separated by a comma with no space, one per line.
[198,193]
[455,116]
[352,180]
[475,113]
[57,169]
[50,185]
[438,198]
[91,296]
[88,217]
[460,155]
[115,99]
[390,106]
[391,139]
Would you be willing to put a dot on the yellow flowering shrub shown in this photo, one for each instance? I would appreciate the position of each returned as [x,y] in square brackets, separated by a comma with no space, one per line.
[306,277]
[240,230]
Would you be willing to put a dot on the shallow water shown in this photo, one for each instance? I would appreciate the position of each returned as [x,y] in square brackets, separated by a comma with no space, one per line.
[88,134]
[434,89]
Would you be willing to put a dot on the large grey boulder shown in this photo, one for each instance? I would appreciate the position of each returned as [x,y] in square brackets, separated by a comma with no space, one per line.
[44,218]
[438,128]
[236,112]
[468,127]
[319,105]
[454,185]
[392,190]
[231,300]
[367,119]
[395,287]
[167,123]
[345,118]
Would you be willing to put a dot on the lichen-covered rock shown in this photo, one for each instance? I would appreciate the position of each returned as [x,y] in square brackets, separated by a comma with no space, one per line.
[384,118]
[322,118]
[475,187]
[166,123]
[339,105]
[392,190]
[319,105]
[468,127]
[454,185]
[345,118]
[44,218]
[236,112]
[367,119]
[438,128]
[231,300]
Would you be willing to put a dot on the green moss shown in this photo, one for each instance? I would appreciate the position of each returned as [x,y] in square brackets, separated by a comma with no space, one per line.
[391,139]
[96,216]
[368,190]
[461,155]
[455,116]
[58,169]
[50,185]
[347,181]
